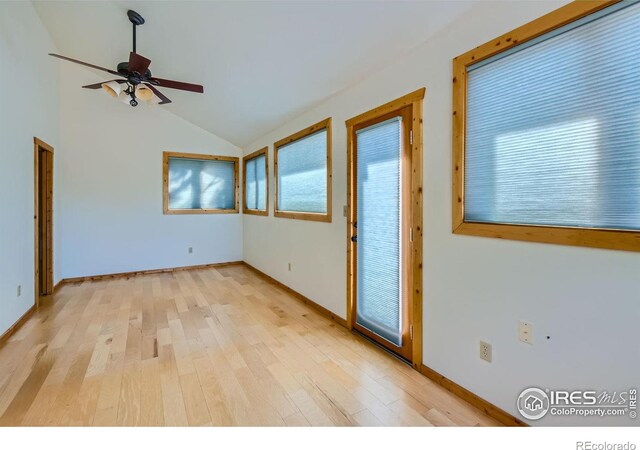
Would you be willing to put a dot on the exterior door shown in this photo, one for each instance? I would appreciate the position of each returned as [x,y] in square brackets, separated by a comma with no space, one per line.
[381,235]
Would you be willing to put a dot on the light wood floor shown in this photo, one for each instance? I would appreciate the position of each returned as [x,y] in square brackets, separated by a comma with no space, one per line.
[206,347]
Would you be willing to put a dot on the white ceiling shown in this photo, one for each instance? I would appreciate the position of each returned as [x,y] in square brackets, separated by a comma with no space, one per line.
[261,63]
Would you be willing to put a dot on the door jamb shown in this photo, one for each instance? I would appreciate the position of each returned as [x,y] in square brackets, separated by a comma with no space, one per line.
[415,99]
[39,145]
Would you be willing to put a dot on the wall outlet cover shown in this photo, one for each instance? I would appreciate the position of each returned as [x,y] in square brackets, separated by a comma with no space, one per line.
[525,332]
[486,351]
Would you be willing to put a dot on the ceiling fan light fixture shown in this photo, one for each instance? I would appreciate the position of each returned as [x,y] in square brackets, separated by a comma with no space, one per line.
[144,93]
[137,80]
[112,88]
[124,97]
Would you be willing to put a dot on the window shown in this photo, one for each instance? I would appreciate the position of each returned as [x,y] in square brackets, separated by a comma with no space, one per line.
[200,184]
[547,132]
[256,190]
[303,174]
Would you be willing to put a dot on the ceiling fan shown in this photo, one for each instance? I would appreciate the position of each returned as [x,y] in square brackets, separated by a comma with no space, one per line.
[137,76]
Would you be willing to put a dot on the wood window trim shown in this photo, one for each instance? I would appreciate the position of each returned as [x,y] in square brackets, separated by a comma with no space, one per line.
[583,237]
[256,212]
[414,99]
[318,217]
[165,183]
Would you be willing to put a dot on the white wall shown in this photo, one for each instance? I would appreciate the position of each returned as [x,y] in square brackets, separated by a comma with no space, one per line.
[28,109]
[586,300]
[110,209]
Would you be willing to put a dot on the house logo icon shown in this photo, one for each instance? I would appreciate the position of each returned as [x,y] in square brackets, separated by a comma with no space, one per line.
[533,403]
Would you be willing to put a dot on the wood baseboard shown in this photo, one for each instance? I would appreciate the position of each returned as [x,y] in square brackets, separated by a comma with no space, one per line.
[142,272]
[13,328]
[491,410]
[321,309]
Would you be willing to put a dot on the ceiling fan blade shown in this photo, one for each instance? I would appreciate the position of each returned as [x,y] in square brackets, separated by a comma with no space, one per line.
[138,63]
[159,94]
[177,85]
[99,85]
[93,66]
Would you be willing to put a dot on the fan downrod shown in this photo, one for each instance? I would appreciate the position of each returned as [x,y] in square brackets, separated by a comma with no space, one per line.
[136,19]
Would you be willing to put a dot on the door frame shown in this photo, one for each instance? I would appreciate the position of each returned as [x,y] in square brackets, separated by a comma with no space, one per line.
[415,100]
[41,146]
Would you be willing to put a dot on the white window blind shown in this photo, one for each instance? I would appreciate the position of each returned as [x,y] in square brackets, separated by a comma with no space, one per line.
[256,183]
[378,281]
[201,184]
[302,174]
[553,128]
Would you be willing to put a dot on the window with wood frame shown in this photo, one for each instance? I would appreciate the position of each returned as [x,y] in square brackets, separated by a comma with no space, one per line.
[546,130]
[199,184]
[256,185]
[303,174]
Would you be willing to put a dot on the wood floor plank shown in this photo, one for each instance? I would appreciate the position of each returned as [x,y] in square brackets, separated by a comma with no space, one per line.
[151,406]
[206,347]
[296,420]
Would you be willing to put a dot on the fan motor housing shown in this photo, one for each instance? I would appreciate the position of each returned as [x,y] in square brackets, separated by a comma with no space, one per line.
[123,67]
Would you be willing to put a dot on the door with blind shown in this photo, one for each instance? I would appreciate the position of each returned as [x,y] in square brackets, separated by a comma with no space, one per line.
[381,221]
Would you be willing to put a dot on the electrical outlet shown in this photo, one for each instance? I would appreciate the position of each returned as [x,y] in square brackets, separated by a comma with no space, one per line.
[289,267]
[19,290]
[190,249]
[485,351]
[525,332]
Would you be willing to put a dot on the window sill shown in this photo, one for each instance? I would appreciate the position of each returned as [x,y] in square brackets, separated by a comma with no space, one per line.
[255,212]
[628,240]
[317,217]
[200,211]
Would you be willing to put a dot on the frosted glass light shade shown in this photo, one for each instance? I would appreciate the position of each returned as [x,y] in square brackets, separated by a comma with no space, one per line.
[124,97]
[144,93]
[112,88]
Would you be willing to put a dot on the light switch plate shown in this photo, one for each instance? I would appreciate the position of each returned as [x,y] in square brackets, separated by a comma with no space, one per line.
[525,332]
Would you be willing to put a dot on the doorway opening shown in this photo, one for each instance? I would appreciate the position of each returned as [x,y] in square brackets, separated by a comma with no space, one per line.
[43,218]
[384,226]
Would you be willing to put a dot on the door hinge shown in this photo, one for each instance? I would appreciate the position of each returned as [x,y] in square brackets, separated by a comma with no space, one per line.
[411,332]
[411,137]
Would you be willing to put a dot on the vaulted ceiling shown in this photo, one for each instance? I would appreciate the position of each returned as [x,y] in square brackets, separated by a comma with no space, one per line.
[261,63]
